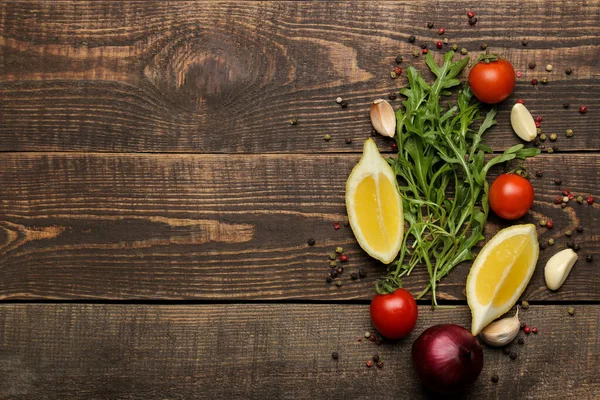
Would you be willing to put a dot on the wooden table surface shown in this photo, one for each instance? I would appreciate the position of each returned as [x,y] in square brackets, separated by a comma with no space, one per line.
[155,202]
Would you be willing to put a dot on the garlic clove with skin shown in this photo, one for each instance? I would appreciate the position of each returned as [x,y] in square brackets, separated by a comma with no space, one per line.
[383,118]
[558,268]
[501,332]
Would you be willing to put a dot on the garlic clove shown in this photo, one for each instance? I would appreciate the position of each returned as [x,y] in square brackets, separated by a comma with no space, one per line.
[558,268]
[501,332]
[383,117]
[523,123]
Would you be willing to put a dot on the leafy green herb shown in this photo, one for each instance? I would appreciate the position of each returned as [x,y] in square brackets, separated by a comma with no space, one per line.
[439,150]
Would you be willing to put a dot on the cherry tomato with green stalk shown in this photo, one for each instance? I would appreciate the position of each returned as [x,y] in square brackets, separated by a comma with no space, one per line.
[511,196]
[394,314]
[493,80]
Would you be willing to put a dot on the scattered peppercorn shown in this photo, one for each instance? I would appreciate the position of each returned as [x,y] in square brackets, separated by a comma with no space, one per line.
[375,357]
[463,51]
[293,121]
[372,338]
[550,242]
[521,340]
[369,364]
[472,21]
[549,224]
[568,71]
[327,137]
[523,325]
[362,273]
[571,311]
[580,199]
[423,46]
[513,355]
[394,146]
[340,270]
[430,25]
[392,96]
[441,31]
[348,140]
[439,44]
[338,283]
[537,124]
[534,81]
[331,256]
[559,199]
[343,258]
[445,40]
[379,364]
[570,244]
[569,132]
[339,100]
[521,101]
[311,242]
[579,229]
[329,279]
[333,273]
[539,173]
[415,53]
[544,80]
[558,182]
[483,46]
[527,330]
[425,51]
[455,47]
[543,222]
[549,67]
[470,14]
[412,39]
[576,247]
[531,65]
[589,258]
[354,276]
[344,104]
[393,75]
[335,355]
[336,226]
[590,200]
[534,330]
[543,137]
[506,351]
[367,334]
[583,109]
[399,59]
[494,378]
[525,304]
[524,42]
[332,264]
[542,246]
[568,233]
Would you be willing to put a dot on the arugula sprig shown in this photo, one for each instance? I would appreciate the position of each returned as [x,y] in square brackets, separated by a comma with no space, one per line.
[440,152]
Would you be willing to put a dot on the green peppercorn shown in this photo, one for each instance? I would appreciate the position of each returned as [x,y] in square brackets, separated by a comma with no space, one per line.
[454,47]
[445,40]
[393,75]
[571,311]
[580,199]
[293,121]
[327,137]
[483,46]
[332,256]
[550,242]
[463,51]
[338,282]
[549,67]
[569,132]
[544,80]
[543,137]
[553,137]
[339,250]
[568,233]
[332,264]
[415,53]
[525,304]
[550,150]
[538,131]
[543,222]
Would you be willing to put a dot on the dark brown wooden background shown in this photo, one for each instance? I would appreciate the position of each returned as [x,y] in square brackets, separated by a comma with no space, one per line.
[155,202]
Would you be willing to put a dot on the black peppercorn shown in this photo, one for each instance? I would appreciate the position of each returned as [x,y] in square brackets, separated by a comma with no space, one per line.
[532,65]
[558,182]
[392,96]
[412,39]
[542,246]
[430,25]
[423,46]
[570,244]
[344,104]
[354,276]
[472,21]
[513,355]
[329,279]
[335,355]
[580,229]
[589,258]
[375,357]
[495,378]
[362,273]
[568,71]
[536,142]
[506,351]
[576,247]
[333,273]
[311,242]
[566,105]
[521,340]
[539,174]
[524,42]
[348,140]
[340,270]
[399,59]
[373,132]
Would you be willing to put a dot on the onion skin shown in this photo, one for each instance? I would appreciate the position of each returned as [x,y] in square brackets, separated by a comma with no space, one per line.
[447,358]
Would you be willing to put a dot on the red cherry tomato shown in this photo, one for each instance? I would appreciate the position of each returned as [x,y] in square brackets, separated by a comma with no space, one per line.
[394,315]
[492,82]
[511,196]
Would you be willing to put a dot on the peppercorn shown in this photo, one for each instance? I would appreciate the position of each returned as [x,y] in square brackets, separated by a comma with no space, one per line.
[340,270]
[583,109]
[445,40]
[399,59]
[522,324]
[539,173]
[580,199]
[494,378]
[311,242]
[392,96]
[524,42]
[558,182]
[439,44]
[566,105]
[329,279]
[369,364]
[415,53]
[394,146]
[520,101]
[569,132]
[332,264]
[393,75]
[536,142]
[543,222]
[344,104]
[531,65]
[362,273]
[425,51]
[542,246]
[534,81]
[335,355]
[348,140]
[549,67]
[354,276]
[550,242]
[343,258]
[576,247]
[542,147]
[380,364]
[553,137]
[331,256]
[544,80]
[372,338]
[430,25]
[483,46]
[568,71]
[570,243]
[367,334]
[441,31]
[506,351]
[327,137]
[333,273]
[579,229]
[412,39]
[463,51]
[589,258]
[543,137]
[454,47]
[537,125]
[559,199]
[293,121]
[549,224]
[527,330]
[550,150]
[472,21]
[590,200]
[563,205]
[521,340]
[346,221]
[571,311]
[338,283]
[375,357]
[513,355]
[525,304]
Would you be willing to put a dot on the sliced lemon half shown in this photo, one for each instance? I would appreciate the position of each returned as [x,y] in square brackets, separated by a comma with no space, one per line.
[374,205]
[500,273]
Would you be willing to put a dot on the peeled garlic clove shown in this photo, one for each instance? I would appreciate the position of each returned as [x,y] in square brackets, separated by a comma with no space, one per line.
[522,122]
[383,118]
[502,332]
[558,268]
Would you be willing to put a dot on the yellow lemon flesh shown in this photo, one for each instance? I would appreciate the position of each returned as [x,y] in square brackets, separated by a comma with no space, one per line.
[500,273]
[374,205]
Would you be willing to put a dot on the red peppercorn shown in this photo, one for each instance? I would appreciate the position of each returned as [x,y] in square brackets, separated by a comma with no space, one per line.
[520,101]
[549,224]
[398,70]
[441,31]
[369,364]
[527,330]
[537,124]
[336,225]
[439,44]
[425,51]
[470,14]
[534,81]
[372,338]
[583,109]
[566,192]
[538,118]
[394,147]
[343,258]
[534,330]
[590,200]
[571,196]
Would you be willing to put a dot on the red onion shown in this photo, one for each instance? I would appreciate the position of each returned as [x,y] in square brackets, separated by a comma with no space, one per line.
[447,358]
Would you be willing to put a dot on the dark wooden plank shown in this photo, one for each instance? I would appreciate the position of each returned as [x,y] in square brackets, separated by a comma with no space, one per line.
[268,351]
[227,76]
[212,227]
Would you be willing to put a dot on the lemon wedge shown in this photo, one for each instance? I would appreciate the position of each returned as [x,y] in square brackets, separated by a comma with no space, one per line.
[500,273]
[374,205]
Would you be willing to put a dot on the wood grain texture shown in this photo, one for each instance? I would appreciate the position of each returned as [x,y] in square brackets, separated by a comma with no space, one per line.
[268,351]
[166,226]
[212,77]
